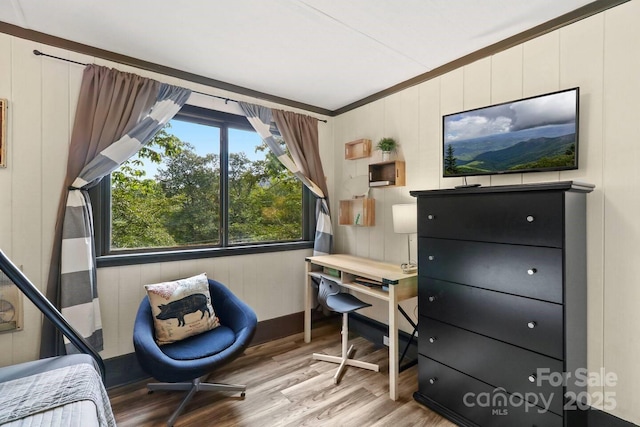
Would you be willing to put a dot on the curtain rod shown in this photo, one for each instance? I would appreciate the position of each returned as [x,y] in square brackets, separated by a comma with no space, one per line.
[38,53]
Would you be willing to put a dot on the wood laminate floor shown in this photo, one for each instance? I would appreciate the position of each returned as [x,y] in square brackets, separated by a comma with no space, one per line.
[286,387]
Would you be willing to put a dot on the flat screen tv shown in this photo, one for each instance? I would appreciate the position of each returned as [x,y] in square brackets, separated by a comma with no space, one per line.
[529,135]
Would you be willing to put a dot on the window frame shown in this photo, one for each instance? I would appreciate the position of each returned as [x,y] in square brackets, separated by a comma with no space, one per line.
[100,196]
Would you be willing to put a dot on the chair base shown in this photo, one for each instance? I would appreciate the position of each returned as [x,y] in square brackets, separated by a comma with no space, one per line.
[345,359]
[192,387]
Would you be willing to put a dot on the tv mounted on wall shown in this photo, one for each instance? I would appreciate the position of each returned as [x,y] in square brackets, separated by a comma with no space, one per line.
[534,134]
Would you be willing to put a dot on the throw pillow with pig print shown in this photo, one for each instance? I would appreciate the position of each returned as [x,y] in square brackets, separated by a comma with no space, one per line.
[181,308]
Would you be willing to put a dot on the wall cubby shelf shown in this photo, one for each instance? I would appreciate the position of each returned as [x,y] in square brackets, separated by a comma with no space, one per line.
[387,174]
[357,149]
[359,211]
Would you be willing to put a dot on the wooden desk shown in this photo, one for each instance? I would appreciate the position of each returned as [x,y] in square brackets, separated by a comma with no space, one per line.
[401,287]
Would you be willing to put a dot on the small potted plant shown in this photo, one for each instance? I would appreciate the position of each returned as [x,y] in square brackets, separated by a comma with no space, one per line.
[387,146]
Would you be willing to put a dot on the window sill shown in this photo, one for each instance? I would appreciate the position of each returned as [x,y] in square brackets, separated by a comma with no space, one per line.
[115,260]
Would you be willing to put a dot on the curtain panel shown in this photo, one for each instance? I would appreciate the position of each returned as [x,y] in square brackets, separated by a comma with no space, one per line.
[300,134]
[117,114]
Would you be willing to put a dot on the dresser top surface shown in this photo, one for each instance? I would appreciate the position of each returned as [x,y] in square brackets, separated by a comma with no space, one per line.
[575,186]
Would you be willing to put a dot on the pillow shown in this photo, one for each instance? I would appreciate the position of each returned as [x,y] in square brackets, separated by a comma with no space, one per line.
[181,308]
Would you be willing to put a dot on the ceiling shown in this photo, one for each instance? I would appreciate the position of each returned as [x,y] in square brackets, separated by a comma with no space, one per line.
[323,53]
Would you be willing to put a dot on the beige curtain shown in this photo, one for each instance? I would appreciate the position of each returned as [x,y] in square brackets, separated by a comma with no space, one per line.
[109,104]
[300,133]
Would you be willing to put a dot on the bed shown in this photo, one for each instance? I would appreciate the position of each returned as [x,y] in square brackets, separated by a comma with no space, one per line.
[63,391]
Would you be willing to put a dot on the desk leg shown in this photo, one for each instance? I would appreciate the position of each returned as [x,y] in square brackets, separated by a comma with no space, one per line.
[308,295]
[393,343]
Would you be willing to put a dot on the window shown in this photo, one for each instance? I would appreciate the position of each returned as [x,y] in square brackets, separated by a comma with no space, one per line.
[205,185]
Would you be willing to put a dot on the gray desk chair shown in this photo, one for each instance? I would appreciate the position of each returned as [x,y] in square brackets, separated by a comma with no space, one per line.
[330,297]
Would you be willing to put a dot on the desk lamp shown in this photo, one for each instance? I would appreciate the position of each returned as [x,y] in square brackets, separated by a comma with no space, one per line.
[405,221]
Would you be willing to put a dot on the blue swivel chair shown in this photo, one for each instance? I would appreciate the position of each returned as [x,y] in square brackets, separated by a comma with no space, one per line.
[184,365]
[330,297]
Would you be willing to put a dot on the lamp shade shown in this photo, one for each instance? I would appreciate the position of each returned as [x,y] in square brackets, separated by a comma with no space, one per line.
[405,218]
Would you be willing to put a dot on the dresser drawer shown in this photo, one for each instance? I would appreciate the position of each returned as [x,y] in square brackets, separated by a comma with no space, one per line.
[528,219]
[478,402]
[529,271]
[532,324]
[494,362]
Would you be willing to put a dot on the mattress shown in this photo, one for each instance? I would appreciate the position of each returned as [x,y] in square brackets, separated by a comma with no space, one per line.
[64,391]
[76,414]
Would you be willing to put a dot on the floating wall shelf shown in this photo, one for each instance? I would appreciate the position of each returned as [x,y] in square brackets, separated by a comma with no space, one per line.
[360,211]
[357,149]
[387,174]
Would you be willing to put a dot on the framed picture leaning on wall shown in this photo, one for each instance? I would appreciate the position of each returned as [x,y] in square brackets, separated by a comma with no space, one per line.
[11,316]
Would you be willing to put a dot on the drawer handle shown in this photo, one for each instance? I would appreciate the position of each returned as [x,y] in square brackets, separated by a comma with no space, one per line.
[532,378]
[432,298]
[433,339]
[430,217]
[431,257]
[433,380]
[530,218]
[532,271]
[532,325]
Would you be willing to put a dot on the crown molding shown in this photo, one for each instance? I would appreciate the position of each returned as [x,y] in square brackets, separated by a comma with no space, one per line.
[583,12]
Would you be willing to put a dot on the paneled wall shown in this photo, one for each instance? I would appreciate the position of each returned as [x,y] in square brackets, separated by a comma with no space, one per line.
[272,283]
[42,94]
[598,54]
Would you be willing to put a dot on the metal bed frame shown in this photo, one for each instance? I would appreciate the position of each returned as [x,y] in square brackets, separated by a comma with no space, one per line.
[49,310]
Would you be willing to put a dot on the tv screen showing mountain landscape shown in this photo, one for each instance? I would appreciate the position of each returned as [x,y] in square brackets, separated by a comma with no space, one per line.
[533,134]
